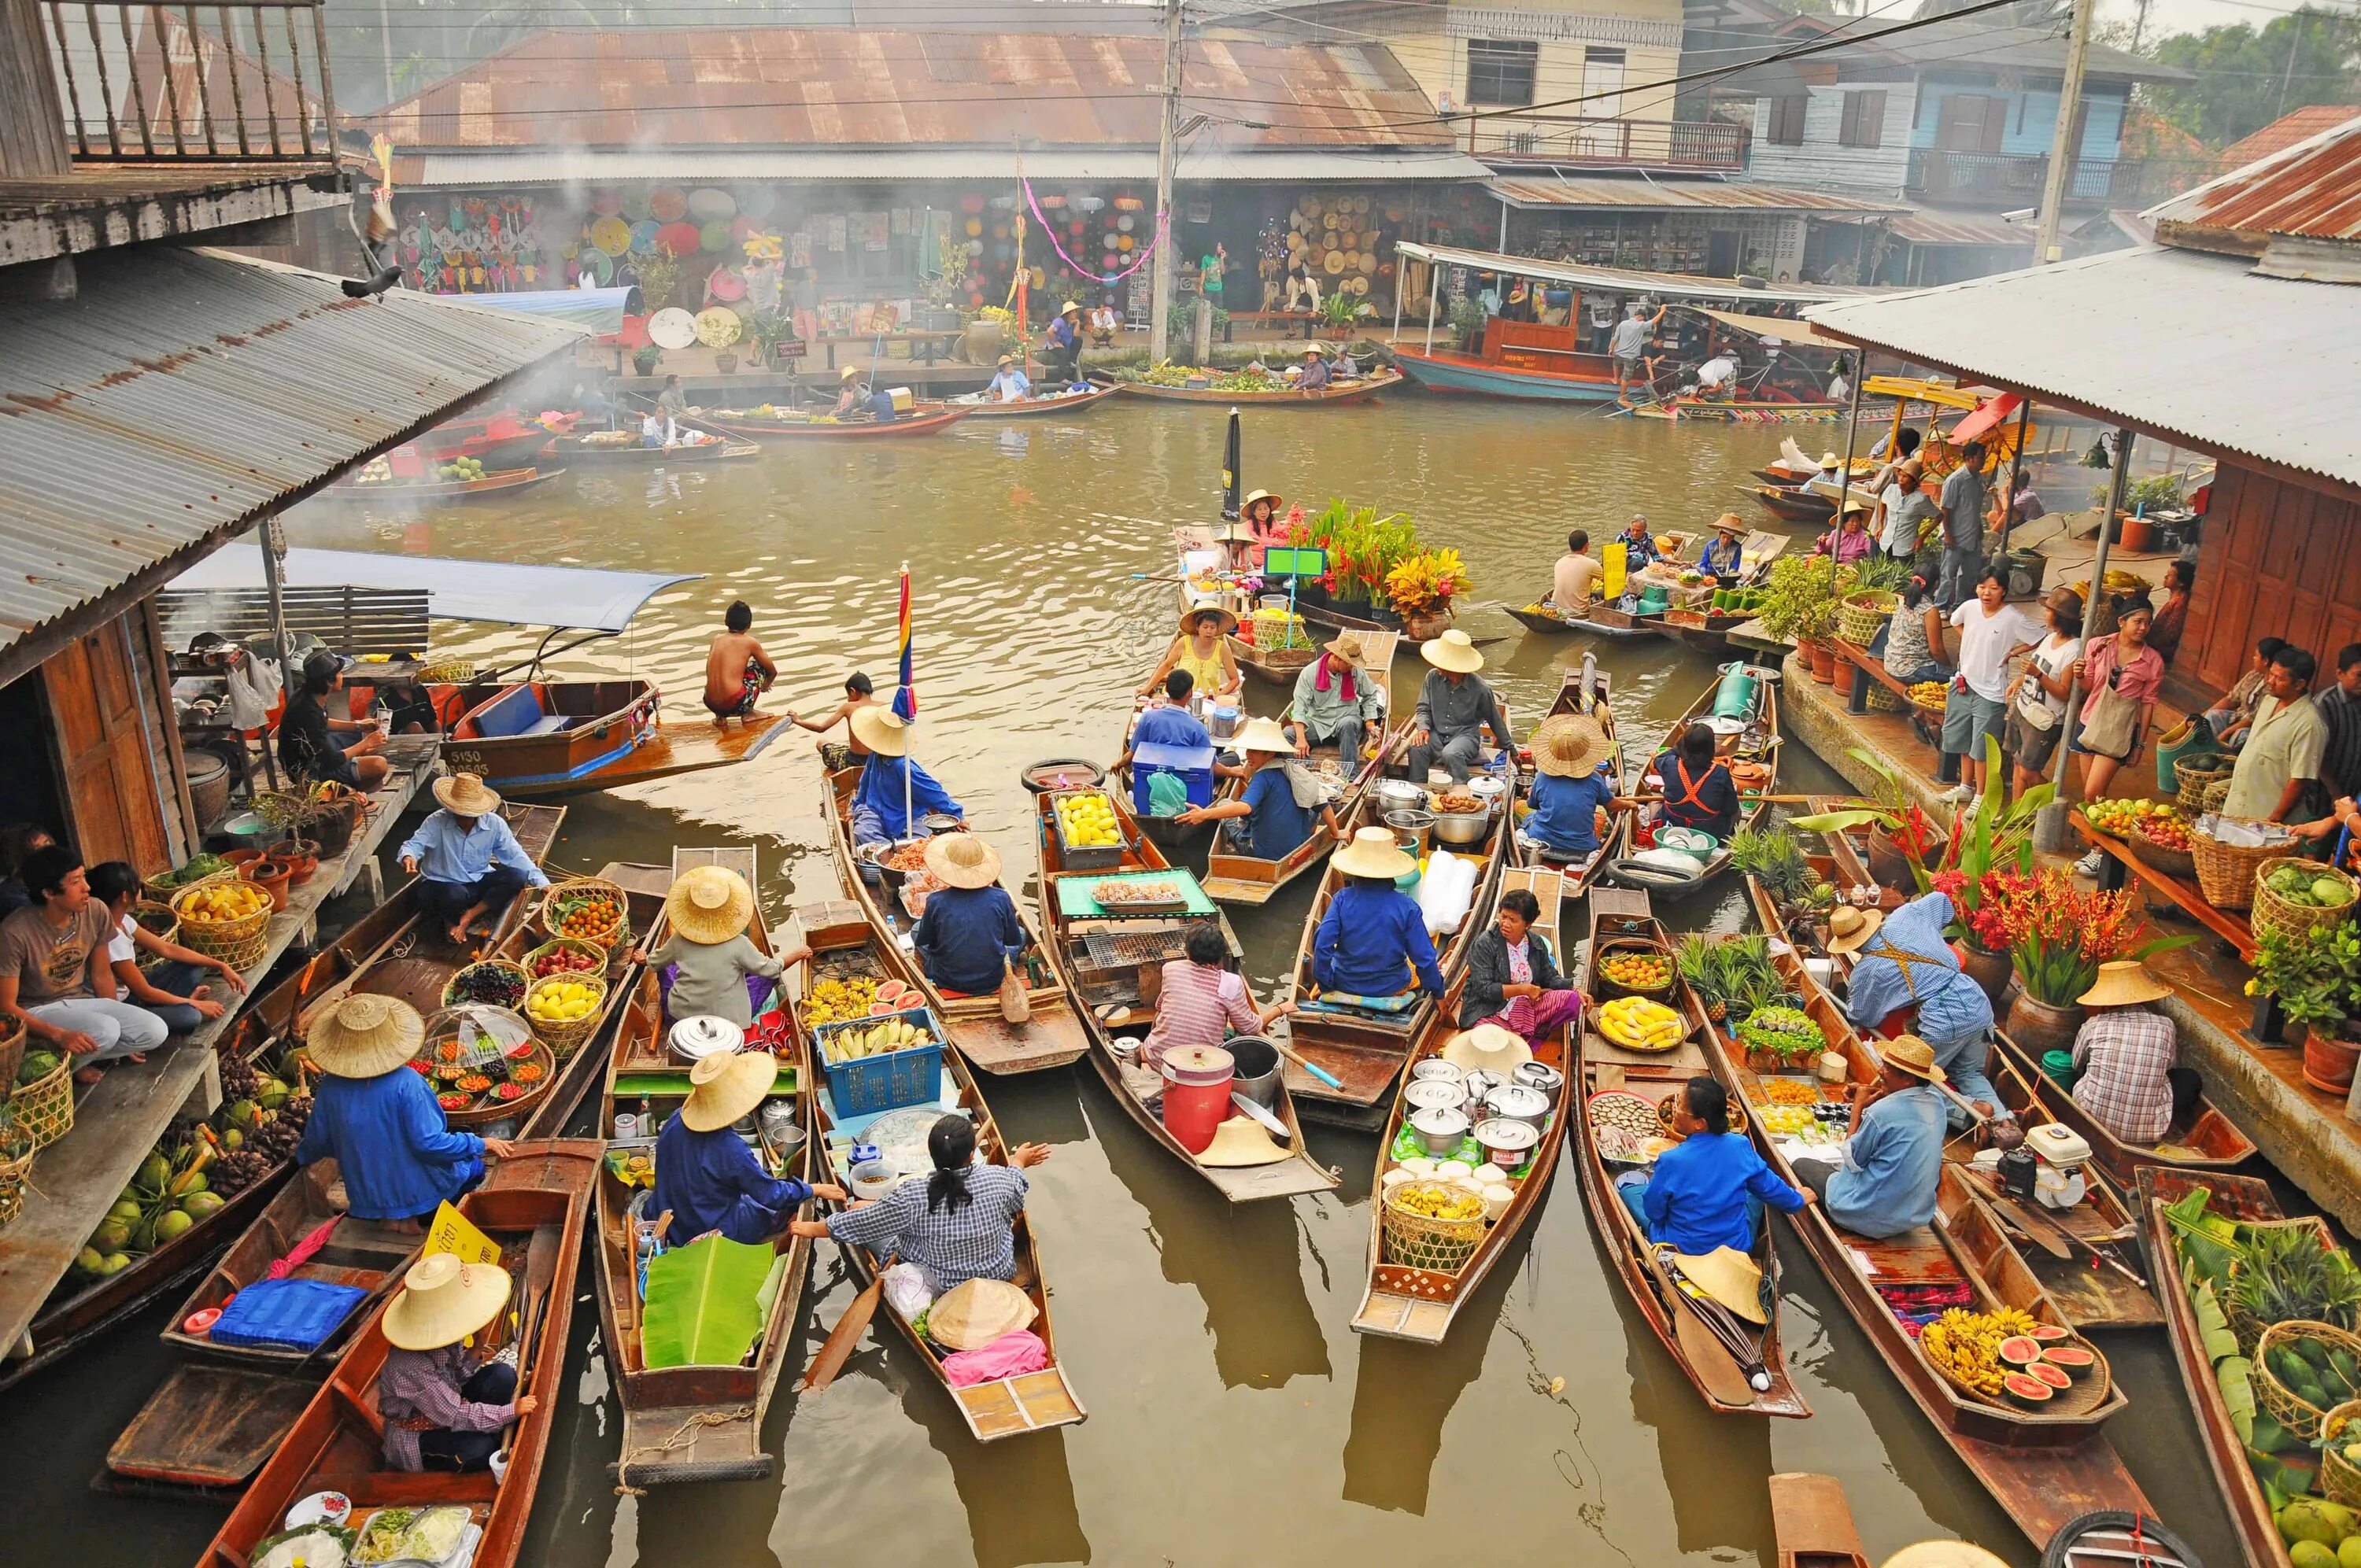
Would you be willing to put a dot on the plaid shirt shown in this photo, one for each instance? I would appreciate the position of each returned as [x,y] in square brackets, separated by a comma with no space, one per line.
[950,1246]
[2123,1052]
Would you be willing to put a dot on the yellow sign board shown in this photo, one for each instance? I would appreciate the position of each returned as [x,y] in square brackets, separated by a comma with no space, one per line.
[1610,579]
[451,1231]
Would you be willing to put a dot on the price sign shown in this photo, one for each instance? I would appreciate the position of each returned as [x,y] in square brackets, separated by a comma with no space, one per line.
[452,1232]
[792,348]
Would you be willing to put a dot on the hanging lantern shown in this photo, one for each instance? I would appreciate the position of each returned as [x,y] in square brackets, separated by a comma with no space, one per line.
[1108,262]
[975,227]
[1124,223]
[971,202]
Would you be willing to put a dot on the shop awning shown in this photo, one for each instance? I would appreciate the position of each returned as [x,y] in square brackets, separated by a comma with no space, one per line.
[593,310]
[919,165]
[1539,192]
[1793,334]
[1624,280]
[505,593]
[183,395]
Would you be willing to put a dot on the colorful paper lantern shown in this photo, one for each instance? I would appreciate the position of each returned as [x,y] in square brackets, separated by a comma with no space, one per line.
[1124,223]
[975,227]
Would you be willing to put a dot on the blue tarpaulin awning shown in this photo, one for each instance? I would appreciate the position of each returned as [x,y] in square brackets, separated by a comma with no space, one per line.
[594,310]
[580,598]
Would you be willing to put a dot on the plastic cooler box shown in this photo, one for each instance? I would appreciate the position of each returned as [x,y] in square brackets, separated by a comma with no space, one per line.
[869,1084]
[1097,857]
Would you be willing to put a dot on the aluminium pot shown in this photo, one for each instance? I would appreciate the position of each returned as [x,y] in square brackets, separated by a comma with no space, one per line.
[1518,1102]
[1539,1075]
[1439,1131]
[1507,1144]
[1433,1094]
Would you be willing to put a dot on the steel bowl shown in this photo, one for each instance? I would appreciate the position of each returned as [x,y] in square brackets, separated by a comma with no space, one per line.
[1461,828]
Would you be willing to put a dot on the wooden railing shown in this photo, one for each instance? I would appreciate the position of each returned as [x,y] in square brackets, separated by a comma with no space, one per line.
[202,83]
[1576,139]
[2008,179]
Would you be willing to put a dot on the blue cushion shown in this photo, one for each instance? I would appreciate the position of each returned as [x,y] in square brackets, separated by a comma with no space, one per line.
[548,724]
[285,1314]
[514,712]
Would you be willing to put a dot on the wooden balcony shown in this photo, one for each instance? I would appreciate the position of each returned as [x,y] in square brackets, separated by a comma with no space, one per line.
[1576,141]
[2003,179]
[241,84]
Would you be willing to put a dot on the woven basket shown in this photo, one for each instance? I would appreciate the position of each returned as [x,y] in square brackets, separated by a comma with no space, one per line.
[563,1038]
[1934,710]
[1418,1240]
[2272,913]
[1613,987]
[2214,797]
[14,1178]
[2170,862]
[2193,773]
[611,939]
[2338,1476]
[1884,698]
[1859,617]
[517,971]
[43,1109]
[2302,1418]
[2225,872]
[223,940]
[566,943]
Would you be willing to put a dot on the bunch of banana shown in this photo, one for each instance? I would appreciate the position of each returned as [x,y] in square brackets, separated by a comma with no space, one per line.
[1967,1345]
[1638,1024]
[881,1038]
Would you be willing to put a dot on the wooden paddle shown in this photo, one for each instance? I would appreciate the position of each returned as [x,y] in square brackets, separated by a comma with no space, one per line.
[1725,1381]
[838,1348]
[540,1274]
[2042,1233]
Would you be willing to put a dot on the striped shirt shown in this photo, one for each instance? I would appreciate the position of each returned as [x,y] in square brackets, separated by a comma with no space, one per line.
[2123,1052]
[1198,1002]
[415,1383]
[950,1246]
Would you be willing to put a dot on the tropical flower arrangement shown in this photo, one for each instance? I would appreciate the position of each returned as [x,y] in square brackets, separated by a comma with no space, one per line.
[1424,583]
[2058,935]
[1363,548]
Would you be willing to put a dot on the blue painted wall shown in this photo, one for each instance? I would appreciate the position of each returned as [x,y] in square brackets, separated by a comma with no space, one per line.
[2032,117]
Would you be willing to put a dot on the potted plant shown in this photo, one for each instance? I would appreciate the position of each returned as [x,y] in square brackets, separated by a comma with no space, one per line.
[646,360]
[1420,588]
[1799,604]
[765,330]
[2059,937]
[2315,977]
[659,275]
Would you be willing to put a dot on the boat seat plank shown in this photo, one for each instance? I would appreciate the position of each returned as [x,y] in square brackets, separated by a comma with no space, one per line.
[1914,1257]
[358,1412]
[399,1488]
[210,1426]
[1684,1062]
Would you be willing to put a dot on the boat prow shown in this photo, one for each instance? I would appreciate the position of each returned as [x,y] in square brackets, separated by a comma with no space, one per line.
[535,738]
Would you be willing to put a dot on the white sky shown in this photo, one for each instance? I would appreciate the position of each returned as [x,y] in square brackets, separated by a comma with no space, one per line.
[2195,15]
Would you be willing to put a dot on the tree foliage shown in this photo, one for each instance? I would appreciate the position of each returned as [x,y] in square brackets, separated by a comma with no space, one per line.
[2246,78]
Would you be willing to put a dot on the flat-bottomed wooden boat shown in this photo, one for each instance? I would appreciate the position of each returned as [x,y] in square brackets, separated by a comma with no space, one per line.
[925,422]
[495,482]
[1335,394]
[1813,1524]
[2203,1142]
[533,1207]
[535,738]
[982,405]
[1751,748]
[588,453]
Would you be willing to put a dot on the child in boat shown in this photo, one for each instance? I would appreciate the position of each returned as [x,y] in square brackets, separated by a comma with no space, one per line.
[737,671]
[709,952]
[442,1410]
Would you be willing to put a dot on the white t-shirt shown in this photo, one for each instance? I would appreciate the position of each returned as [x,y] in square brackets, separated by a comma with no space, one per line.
[2055,652]
[1717,371]
[1985,643]
[120,946]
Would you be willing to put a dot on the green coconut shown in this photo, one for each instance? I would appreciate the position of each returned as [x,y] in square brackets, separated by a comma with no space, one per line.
[173,1223]
[202,1204]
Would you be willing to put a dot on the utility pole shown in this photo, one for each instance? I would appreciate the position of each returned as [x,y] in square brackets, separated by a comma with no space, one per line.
[1159,310]
[2063,142]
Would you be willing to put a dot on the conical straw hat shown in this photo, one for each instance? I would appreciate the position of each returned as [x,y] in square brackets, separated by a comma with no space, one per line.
[881,730]
[1487,1047]
[963,860]
[1849,929]
[1945,1555]
[1374,853]
[1730,1277]
[442,1300]
[725,1086]
[1569,746]
[1453,650]
[709,904]
[365,1036]
[2123,982]
[1241,1141]
[970,1316]
[1263,735]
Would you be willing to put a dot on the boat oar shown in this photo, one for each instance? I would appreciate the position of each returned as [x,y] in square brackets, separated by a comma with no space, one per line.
[837,1347]
[2048,1237]
[1314,1069]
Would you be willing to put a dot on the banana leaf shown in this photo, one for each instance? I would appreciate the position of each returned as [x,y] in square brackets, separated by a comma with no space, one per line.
[704,1306]
[2212,1323]
[2237,1395]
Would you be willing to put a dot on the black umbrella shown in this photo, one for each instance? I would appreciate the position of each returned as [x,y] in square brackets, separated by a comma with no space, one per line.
[1230,471]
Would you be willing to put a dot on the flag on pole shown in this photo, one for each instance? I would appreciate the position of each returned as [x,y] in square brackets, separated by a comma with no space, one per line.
[905,698]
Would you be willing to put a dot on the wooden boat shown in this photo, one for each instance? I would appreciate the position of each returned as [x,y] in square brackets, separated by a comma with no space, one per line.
[2246,1201]
[1750,411]
[533,1207]
[1054,1036]
[643,888]
[495,482]
[1365,1050]
[1007,1406]
[411,961]
[223,1410]
[591,453]
[980,405]
[2201,1142]
[696,1423]
[1776,471]
[1714,1368]
[1795,502]
[536,738]
[1757,744]
[1514,369]
[498,440]
[1603,620]
[1359,390]
[2044,1467]
[748,427]
[1109,961]
[1812,1524]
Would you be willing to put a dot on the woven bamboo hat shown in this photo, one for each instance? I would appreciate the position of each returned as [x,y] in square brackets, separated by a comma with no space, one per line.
[1945,1555]
[442,1300]
[881,730]
[851,372]
[1253,496]
[1263,735]
[2123,982]
[1729,522]
[725,1086]
[1208,605]
[1487,1047]
[1913,1056]
[1850,928]
[1004,359]
[1241,1141]
[1730,1277]
[970,1316]
[1374,853]
[1569,746]
[1453,650]
[1349,647]
[467,795]
[709,904]
[365,1036]
[963,860]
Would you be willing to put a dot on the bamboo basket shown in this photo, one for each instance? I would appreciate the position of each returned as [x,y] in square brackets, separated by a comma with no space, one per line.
[1884,698]
[2338,1476]
[611,938]
[563,944]
[15,1175]
[1862,614]
[2193,775]
[1420,1241]
[2225,872]
[2274,914]
[43,1109]
[238,943]
[1613,987]
[2172,862]
[2302,1418]
[564,1037]
[517,971]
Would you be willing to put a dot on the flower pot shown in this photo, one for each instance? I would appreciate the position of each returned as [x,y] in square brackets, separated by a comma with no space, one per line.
[2137,534]
[2039,1028]
[1847,672]
[1989,969]
[647,360]
[1824,663]
[726,361]
[1888,866]
[1424,626]
[2328,1061]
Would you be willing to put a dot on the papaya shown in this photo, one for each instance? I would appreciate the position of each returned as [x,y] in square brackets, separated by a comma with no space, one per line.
[2314,1351]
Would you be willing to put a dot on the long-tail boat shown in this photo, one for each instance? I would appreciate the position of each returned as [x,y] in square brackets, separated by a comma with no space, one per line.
[534,737]
[1109,959]
[533,1206]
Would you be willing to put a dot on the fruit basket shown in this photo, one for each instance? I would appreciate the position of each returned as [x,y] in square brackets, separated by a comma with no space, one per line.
[1633,969]
[2297,1359]
[566,955]
[2225,872]
[2294,895]
[41,1104]
[1931,697]
[226,918]
[1431,1225]
[1862,615]
[494,982]
[2163,842]
[586,909]
[565,1010]
[1090,834]
[2195,774]
[483,1064]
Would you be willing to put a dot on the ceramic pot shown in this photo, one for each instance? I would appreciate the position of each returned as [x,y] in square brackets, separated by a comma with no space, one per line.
[2328,1061]
[2039,1028]
[1426,627]
[726,362]
[1822,660]
[1846,672]
[1989,969]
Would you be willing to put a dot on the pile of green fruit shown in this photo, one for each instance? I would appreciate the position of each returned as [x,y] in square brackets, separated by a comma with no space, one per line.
[2307,887]
[463,468]
[36,1065]
[2321,1375]
[1736,601]
[1783,1032]
[168,1195]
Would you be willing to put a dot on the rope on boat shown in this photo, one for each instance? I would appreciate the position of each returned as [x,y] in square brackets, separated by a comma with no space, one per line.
[682,1437]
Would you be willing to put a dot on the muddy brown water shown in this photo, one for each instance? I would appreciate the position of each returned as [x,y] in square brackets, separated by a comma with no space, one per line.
[1235,1416]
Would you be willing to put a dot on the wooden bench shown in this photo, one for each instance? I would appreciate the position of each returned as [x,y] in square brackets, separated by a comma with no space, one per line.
[1947,767]
[924,345]
[2188,895]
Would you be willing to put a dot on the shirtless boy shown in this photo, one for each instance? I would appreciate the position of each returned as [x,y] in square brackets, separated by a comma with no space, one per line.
[737,671]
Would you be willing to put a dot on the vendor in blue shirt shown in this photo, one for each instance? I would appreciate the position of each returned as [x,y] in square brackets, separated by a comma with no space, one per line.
[1009,383]
[706,1176]
[1264,820]
[1171,755]
[1708,1190]
[1905,976]
[892,789]
[1727,554]
[1885,1179]
[376,1115]
[469,864]
[1372,941]
[1697,788]
[970,933]
[1571,756]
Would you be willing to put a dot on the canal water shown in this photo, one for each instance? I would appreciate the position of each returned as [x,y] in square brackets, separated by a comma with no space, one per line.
[1235,1416]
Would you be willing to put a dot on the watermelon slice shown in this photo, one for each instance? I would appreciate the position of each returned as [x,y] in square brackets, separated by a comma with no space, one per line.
[2076,1359]
[2050,1334]
[2027,1389]
[2048,1372]
[2019,1350]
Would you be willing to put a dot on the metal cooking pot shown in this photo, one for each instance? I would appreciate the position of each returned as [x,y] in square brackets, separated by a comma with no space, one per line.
[1435,1067]
[1518,1102]
[1439,1131]
[1393,794]
[1539,1075]
[1508,1143]
[1434,1093]
[1461,828]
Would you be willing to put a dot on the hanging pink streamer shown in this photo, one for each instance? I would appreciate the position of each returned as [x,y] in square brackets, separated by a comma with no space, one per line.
[1163,226]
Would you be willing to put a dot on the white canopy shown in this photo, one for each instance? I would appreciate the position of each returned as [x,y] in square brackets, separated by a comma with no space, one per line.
[573,597]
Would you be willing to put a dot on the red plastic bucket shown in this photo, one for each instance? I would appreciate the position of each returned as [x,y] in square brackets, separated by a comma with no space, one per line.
[1196,1094]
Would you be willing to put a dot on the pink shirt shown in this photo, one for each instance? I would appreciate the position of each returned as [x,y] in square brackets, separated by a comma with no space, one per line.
[2143,678]
[1196,1003]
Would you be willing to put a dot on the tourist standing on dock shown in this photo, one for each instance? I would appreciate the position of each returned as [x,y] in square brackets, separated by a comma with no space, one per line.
[2123,677]
[2340,710]
[1963,502]
[2037,699]
[1991,632]
[1629,345]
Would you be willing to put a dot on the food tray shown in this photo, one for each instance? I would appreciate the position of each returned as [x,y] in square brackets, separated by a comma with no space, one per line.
[1094,858]
[1078,896]
[869,1084]
[1128,949]
[1628,1125]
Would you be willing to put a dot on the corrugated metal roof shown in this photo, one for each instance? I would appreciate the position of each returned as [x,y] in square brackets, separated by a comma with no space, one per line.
[1694,195]
[2311,189]
[1986,42]
[451,171]
[2193,346]
[184,393]
[1627,280]
[2295,126]
[1944,228]
[842,87]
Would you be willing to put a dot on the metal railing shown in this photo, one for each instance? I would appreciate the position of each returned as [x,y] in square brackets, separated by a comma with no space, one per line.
[212,83]
[1569,138]
[2001,177]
